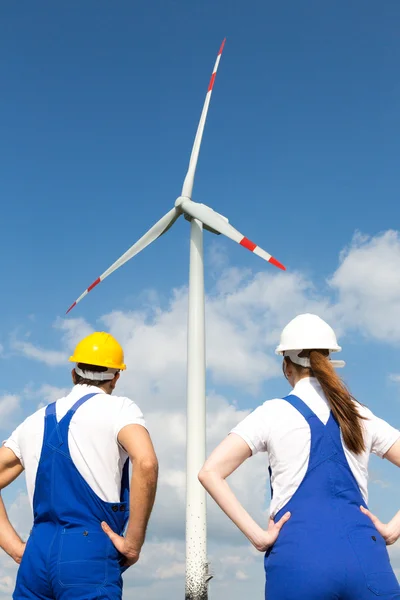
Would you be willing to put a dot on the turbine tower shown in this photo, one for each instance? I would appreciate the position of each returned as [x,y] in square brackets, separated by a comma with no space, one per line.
[200,216]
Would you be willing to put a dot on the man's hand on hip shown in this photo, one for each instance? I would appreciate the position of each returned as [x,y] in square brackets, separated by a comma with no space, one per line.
[130,554]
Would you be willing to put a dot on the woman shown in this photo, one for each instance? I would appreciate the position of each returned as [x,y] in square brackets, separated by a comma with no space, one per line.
[322,543]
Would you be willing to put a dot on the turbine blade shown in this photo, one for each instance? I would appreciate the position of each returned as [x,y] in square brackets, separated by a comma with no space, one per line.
[155,232]
[214,220]
[189,179]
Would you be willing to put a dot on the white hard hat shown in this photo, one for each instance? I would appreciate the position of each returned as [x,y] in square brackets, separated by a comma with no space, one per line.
[307,332]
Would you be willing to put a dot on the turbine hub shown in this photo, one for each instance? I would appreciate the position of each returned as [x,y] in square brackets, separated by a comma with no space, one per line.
[178,201]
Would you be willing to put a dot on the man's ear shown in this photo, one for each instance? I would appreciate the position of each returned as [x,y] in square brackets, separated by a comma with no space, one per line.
[113,381]
[74,377]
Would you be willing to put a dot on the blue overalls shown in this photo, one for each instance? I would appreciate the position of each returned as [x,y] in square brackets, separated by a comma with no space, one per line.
[68,556]
[328,550]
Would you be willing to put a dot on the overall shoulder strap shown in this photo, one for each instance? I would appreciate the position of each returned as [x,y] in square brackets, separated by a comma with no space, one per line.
[65,421]
[55,433]
[334,431]
[62,426]
[317,429]
[51,409]
[50,422]
[301,406]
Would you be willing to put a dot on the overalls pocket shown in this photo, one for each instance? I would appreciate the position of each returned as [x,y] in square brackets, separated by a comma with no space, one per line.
[370,549]
[83,558]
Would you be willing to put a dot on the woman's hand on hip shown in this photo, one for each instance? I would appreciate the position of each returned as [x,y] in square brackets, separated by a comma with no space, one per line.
[270,536]
[131,555]
[389,531]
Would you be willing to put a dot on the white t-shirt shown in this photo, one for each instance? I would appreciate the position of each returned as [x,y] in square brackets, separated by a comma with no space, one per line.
[92,439]
[280,430]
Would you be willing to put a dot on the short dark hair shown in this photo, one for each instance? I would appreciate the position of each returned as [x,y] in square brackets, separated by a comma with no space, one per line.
[95,369]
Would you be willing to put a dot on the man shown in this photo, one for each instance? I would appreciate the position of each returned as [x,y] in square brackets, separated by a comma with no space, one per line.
[76,454]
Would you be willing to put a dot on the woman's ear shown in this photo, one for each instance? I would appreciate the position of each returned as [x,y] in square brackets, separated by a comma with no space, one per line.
[285,368]
[289,369]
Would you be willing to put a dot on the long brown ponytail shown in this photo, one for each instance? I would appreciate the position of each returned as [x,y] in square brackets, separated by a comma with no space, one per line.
[341,402]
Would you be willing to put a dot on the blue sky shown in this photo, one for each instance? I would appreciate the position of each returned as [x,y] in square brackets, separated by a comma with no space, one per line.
[98,110]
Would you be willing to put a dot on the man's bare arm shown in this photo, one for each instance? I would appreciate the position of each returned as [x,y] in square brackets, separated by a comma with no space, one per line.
[137,442]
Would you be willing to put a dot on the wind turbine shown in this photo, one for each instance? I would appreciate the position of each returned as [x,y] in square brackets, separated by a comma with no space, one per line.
[200,216]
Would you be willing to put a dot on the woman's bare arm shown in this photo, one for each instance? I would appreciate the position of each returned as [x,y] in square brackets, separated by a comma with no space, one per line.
[225,459]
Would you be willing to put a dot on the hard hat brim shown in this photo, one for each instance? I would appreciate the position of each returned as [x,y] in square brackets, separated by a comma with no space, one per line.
[76,359]
[281,349]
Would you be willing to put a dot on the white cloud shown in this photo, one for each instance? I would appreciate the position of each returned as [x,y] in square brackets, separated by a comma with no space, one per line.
[171,570]
[367,283]
[382,483]
[168,431]
[51,393]
[217,258]
[7,584]
[9,403]
[9,410]
[245,314]
[394,553]
[73,331]
[241,575]
[242,325]
[52,358]
[160,572]
[20,515]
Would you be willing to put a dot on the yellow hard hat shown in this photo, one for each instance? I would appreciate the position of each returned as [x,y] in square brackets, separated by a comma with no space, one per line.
[100,349]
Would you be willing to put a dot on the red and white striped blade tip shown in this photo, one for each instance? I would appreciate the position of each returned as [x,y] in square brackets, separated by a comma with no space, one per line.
[213,76]
[71,307]
[275,262]
[89,289]
[246,243]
